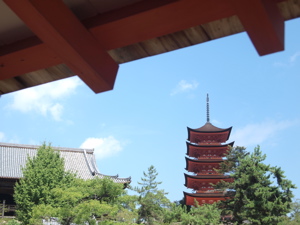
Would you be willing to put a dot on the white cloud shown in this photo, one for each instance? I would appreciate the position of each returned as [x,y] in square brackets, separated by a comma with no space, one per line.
[256,134]
[1,136]
[104,147]
[291,61]
[45,98]
[56,111]
[184,86]
[294,57]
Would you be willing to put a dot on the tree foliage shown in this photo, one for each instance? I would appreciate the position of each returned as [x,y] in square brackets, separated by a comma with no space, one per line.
[262,193]
[152,201]
[82,203]
[202,215]
[127,208]
[47,191]
[41,174]
[294,216]
[197,215]
[233,156]
[175,213]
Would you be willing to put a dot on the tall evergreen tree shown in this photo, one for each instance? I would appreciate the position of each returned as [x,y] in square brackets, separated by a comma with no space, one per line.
[262,193]
[41,174]
[151,200]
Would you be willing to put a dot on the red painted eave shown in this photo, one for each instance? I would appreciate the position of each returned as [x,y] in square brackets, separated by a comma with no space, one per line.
[83,46]
[66,37]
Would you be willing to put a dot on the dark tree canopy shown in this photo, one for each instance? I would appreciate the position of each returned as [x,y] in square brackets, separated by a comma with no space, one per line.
[262,194]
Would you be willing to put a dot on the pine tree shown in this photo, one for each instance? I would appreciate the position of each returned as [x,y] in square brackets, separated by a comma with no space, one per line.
[151,200]
[262,193]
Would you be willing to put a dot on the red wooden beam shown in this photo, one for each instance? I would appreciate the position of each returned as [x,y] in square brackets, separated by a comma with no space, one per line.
[26,59]
[263,23]
[76,47]
[65,35]
[132,24]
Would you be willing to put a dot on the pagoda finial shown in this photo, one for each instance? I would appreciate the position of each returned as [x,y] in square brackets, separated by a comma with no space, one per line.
[207,108]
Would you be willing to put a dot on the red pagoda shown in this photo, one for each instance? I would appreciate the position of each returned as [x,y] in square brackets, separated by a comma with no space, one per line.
[206,149]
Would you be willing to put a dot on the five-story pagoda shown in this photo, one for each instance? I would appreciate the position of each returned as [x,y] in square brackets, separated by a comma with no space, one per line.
[206,149]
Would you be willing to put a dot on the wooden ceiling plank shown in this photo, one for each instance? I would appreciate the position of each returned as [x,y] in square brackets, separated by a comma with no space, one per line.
[63,33]
[263,23]
[167,19]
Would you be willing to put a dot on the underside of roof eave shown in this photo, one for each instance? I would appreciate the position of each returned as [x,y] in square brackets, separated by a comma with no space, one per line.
[189,144]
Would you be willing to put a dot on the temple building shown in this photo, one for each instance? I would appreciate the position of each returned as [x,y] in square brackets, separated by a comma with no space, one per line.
[206,148]
[14,156]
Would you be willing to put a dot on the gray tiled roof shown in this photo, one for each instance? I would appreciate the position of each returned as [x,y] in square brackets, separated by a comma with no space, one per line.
[80,161]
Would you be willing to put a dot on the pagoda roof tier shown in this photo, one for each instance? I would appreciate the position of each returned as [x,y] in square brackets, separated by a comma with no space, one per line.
[206,194]
[208,127]
[205,161]
[196,182]
[200,177]
[207,151]
[196,166]
[208,134]
[195,150]
[203,198]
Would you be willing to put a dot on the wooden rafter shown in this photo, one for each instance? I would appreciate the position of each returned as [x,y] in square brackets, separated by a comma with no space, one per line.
[263,23]
[65,35]
[83,45]
[28,59]
[112,30]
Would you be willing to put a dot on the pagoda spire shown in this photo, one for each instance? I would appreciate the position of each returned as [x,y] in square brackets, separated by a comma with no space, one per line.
[207,109]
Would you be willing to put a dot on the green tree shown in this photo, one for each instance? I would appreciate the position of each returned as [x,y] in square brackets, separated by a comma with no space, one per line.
[127,208]
[294,216]
[262,193]
[41,174]
[233,157]
[295,210]
[175,213]
[103,190]
[202,215]
[152,201]
[46,191]
[12,222]
[83,203]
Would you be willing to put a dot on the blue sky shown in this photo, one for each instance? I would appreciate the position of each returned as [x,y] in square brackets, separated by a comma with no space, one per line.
[143,121]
